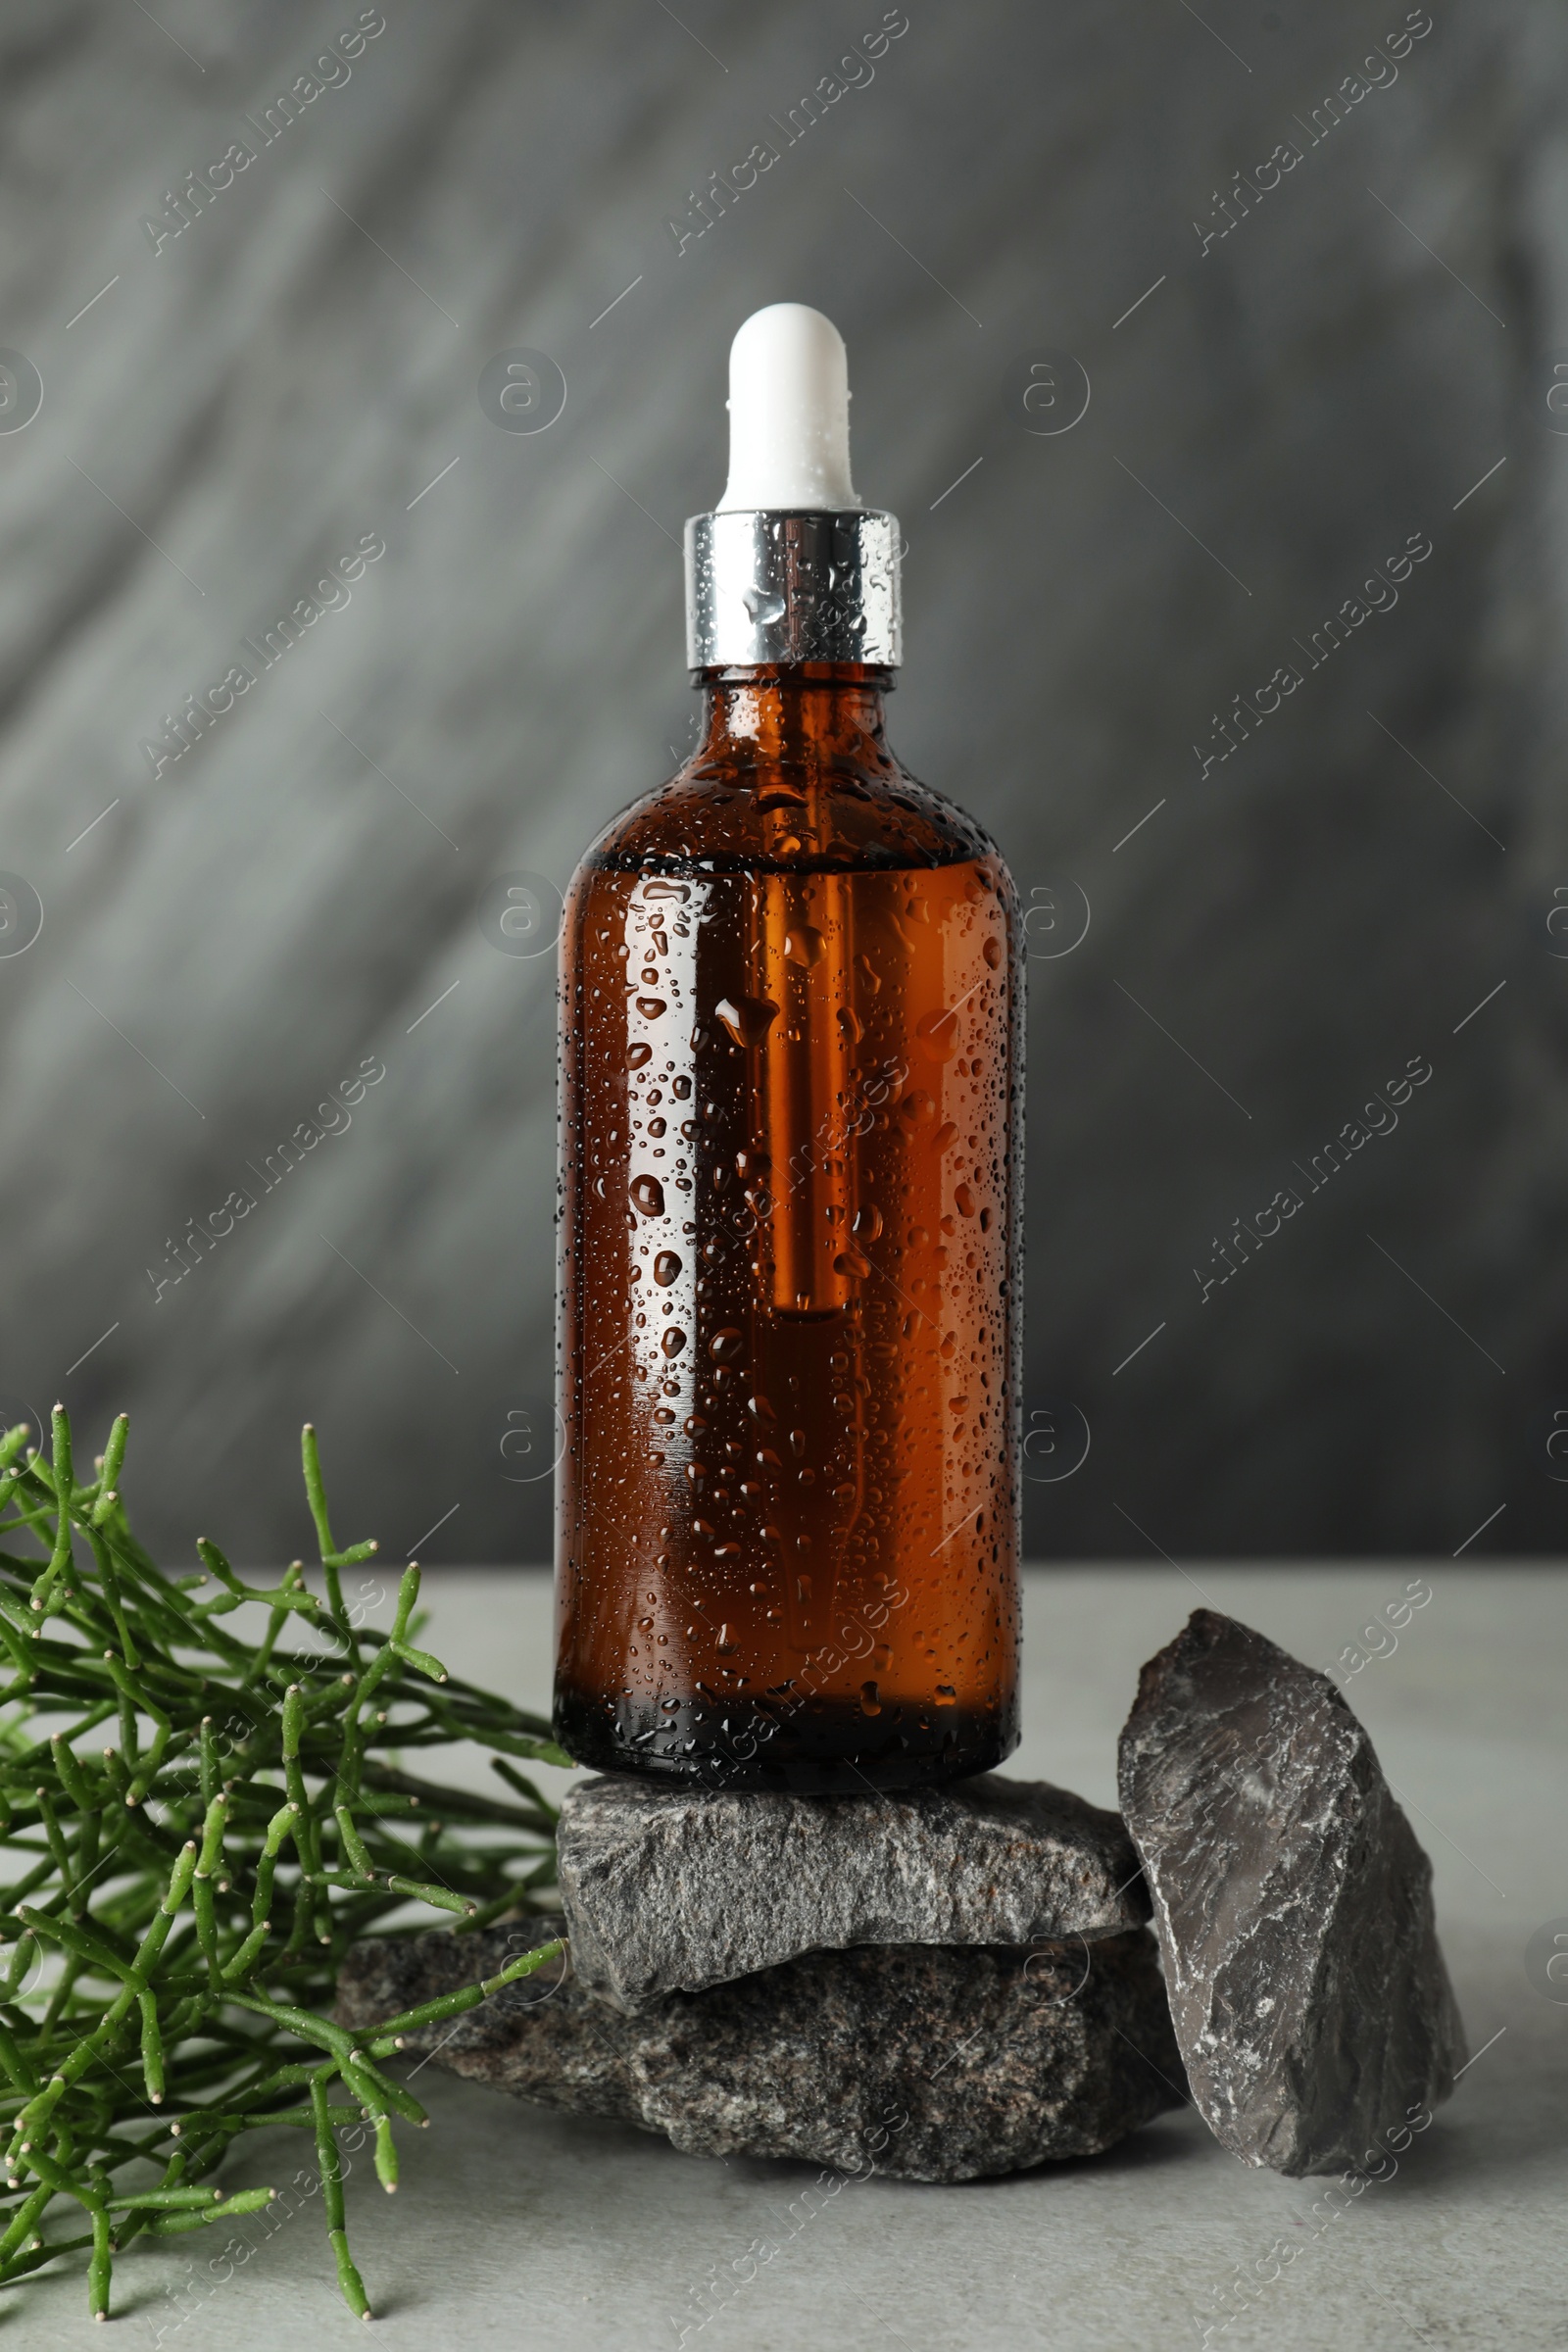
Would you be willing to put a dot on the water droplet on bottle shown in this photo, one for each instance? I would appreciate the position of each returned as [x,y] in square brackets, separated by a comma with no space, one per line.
[673,1340]
[870,1704]
[991,952]
[636,1056]
[868,1224]
[650,1007]
[666,1267]
[647,1195]
[725,1345]
[748,1021]
[964,1201]
[850,1261]
[937,1033]
[804,945]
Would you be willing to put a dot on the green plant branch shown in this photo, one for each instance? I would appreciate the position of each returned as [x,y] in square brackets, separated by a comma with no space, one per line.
[177,1902]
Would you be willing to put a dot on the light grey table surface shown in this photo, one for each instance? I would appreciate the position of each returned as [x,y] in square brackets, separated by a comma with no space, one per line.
[514,2225]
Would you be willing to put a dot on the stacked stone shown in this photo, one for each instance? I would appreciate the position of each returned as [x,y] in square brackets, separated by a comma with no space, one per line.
[940,1984]
[952,1982]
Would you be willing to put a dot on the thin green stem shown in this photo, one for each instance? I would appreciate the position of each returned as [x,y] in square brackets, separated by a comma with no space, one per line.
[178,1903]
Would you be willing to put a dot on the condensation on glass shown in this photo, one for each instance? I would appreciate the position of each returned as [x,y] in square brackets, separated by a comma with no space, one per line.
[791,1094]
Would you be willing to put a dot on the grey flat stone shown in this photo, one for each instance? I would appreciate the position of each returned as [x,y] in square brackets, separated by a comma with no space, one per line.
[1293,1905]
[668,1889]
[917,2062]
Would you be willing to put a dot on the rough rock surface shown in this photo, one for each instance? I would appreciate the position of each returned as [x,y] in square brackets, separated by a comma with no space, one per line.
[669,1890]
[924,2062]
[1292,1904]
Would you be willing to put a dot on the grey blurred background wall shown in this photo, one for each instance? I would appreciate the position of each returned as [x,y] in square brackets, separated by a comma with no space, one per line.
[1294,369]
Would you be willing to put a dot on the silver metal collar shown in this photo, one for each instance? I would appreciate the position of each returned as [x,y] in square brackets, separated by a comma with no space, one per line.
[769,585]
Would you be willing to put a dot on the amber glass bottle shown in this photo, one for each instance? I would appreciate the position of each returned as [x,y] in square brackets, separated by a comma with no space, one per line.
[790,1103]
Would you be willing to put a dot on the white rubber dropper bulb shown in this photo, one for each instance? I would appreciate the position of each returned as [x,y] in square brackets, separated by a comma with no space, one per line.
[789,412]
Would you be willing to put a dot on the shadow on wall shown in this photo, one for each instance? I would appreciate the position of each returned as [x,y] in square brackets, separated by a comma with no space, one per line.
[1212,370]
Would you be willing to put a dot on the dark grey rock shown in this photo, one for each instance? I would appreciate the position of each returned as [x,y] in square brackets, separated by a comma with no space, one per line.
[1291,1901]
[923,2063]
[669,1890]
